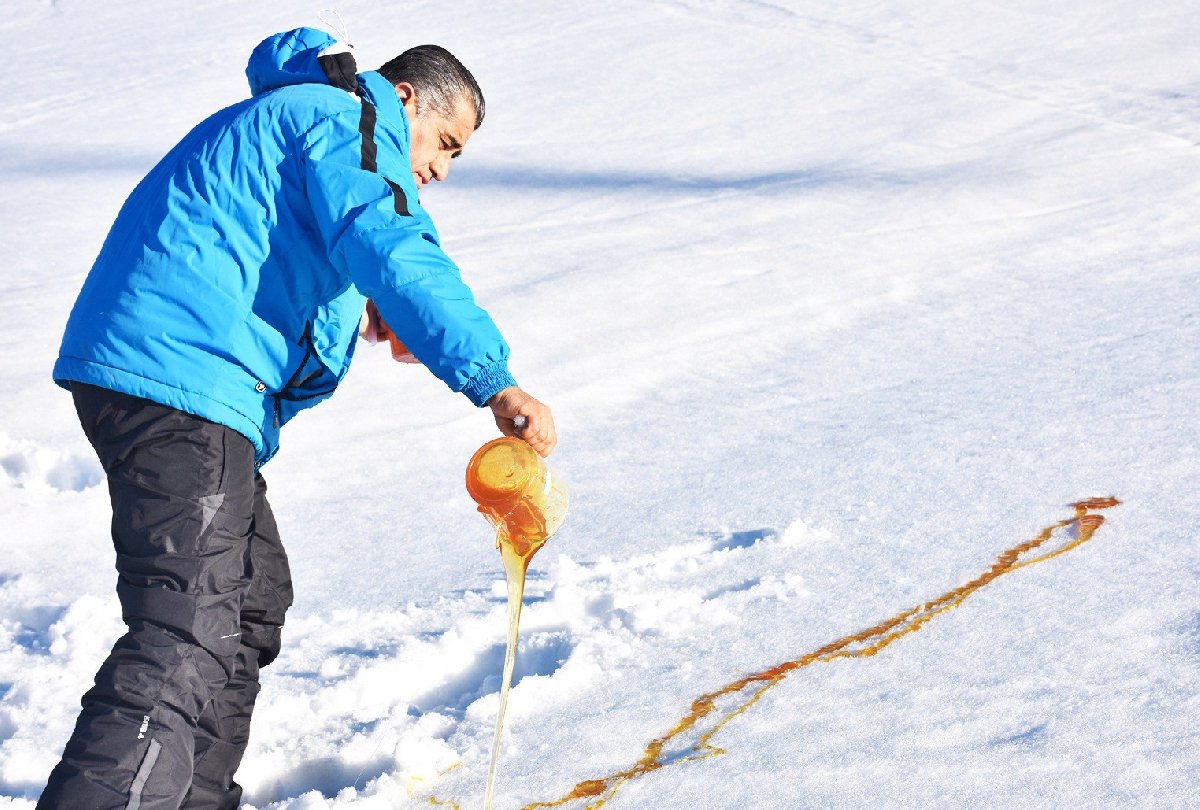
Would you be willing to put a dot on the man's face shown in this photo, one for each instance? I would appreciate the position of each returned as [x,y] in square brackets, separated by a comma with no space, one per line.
[435,139]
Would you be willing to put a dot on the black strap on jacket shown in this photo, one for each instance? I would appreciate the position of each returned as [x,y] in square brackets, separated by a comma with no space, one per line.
[341,71]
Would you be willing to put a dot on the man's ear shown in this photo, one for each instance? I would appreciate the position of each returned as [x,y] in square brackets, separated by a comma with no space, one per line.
[408,96]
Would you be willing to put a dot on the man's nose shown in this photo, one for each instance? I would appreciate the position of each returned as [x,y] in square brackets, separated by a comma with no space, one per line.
[440,168]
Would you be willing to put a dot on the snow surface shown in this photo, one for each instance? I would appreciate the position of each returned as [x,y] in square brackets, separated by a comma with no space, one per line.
[834,303]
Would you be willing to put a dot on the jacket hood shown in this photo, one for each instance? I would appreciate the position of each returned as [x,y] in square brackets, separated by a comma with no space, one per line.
[300,56]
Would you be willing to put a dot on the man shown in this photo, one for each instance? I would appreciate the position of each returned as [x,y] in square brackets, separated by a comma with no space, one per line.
[227,298]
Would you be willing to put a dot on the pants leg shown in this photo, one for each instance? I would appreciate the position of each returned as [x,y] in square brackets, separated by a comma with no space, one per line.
[224,727]
[182,492]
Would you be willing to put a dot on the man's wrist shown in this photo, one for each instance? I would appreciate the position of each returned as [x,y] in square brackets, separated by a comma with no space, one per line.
[494,398]
[487,382]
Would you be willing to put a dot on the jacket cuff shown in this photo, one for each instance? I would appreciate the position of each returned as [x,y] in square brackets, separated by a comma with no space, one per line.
[487,382]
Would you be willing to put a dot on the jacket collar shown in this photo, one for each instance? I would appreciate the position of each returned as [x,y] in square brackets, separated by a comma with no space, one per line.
[380,92]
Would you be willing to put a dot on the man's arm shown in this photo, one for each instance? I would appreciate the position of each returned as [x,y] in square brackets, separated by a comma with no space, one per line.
[390,251]
[395,259]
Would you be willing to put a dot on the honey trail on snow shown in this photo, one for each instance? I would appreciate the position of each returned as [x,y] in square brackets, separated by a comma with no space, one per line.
[863,644]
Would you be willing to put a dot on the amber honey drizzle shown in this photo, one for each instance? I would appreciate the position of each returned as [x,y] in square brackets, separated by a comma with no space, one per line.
[862,644]
[520,495]
[516,553]
[515,567]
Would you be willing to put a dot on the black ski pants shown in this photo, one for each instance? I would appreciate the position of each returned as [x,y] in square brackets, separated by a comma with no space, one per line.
[204,584]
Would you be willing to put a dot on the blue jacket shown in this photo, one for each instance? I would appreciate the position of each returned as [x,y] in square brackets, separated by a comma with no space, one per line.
[232,282]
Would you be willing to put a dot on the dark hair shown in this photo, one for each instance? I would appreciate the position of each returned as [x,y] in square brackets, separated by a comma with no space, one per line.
[438,77]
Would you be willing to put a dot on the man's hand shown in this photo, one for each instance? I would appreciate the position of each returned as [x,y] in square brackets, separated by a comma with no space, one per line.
[539,430]
[373,330]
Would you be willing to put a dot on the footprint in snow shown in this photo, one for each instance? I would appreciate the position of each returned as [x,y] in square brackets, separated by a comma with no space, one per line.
[537,654]
[724,541]
[25,464]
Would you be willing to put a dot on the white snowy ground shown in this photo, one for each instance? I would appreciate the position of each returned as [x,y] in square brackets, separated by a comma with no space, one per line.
[834,303]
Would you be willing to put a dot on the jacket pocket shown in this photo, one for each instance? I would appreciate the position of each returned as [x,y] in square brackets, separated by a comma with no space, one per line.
[311,382]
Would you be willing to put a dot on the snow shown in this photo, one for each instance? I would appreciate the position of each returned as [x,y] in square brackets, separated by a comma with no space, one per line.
[834,303]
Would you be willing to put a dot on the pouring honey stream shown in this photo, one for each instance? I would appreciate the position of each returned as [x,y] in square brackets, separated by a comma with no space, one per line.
[520,495]
[691,738]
